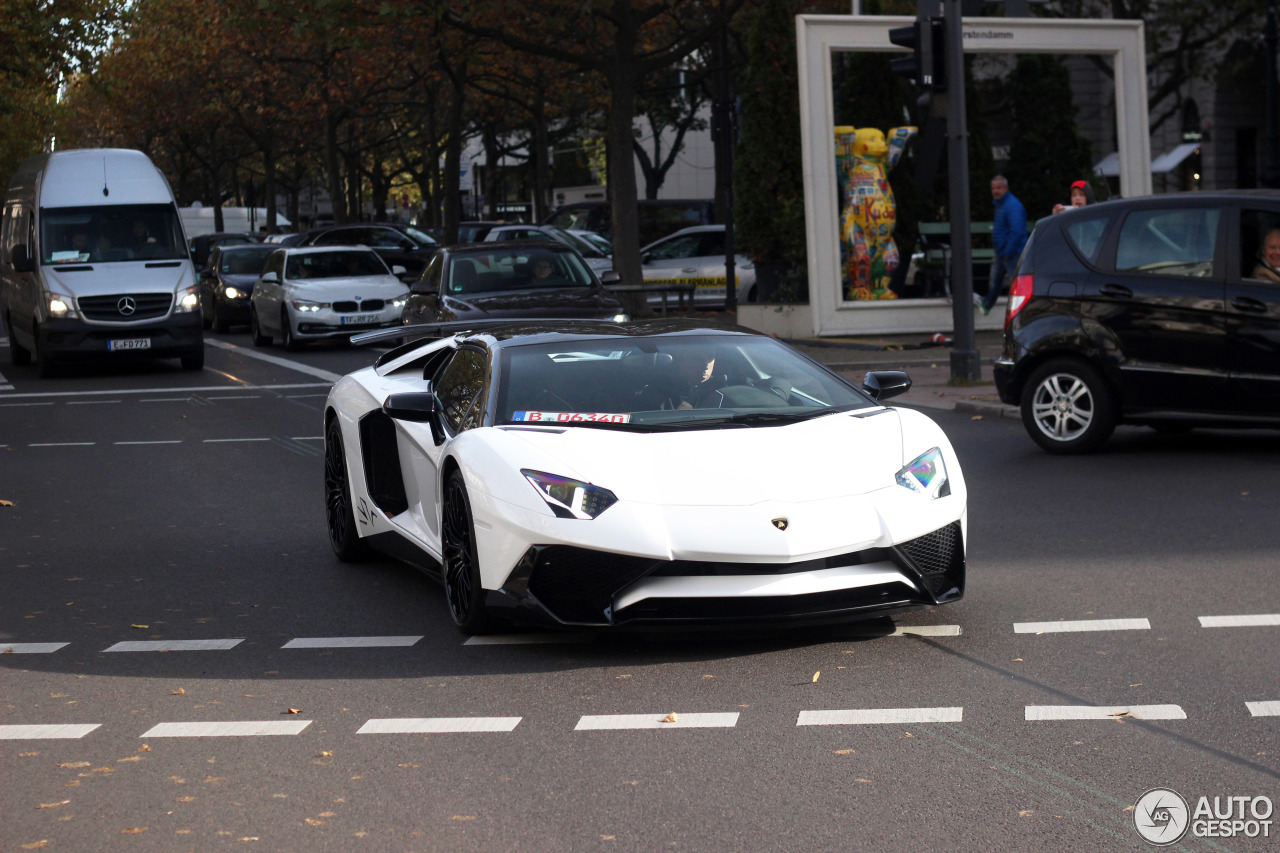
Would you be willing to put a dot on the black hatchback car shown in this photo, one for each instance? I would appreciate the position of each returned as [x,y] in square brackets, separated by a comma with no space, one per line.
[398,245]
[1161,311]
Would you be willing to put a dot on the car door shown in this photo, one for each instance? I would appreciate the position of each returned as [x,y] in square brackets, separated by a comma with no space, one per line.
[673,259]
[268,296]
[1158,298]
[460,385]
[1253,311]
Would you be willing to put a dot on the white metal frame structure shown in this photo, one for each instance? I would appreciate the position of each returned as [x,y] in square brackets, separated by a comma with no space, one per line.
[818,37]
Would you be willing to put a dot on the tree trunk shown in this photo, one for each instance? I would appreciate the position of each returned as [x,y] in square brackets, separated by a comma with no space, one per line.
[332,165]
[624,211]
[453,157]
[541,166]
[269,185]
[492,173]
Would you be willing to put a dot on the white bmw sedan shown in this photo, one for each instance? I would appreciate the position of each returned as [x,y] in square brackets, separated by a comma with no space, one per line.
[314,293]
[571,473]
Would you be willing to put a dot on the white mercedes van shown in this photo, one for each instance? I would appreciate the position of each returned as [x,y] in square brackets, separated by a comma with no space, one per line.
[94,263]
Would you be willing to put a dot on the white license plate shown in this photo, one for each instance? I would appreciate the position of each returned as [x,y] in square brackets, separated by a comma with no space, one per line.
[129,343]
[359,319]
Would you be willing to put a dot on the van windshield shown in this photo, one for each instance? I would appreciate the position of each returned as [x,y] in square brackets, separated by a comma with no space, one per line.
[107,233]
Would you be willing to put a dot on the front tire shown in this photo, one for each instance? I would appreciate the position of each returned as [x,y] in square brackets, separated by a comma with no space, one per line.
[1067,407]
[287,339]
[344,536]
[18,354]
[461,568]
[255,330]
[45,365]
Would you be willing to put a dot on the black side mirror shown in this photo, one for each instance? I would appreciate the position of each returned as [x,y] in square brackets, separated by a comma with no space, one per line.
[20,259]
[417,407]
[880,385]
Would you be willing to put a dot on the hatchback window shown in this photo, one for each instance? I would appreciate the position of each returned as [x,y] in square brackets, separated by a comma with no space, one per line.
[1086,236]
[1174,241]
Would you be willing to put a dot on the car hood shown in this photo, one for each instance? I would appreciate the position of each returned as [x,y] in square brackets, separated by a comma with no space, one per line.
[557,302]
[96,279]
[831,456]
[364,287]
[244,282]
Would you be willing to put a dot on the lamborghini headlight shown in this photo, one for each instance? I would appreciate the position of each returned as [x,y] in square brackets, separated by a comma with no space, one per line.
[570,498]
[926,475]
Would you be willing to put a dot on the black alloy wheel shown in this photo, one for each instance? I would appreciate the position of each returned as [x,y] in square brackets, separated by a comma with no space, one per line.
[343,534]
[287,339]
[1067,407]
[18,354]
[462,590]
[255,329]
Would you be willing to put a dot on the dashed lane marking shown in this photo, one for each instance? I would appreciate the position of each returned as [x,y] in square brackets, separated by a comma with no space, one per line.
[348,642]
[527,639]
[173,645]
[92,402]
[167,441]
[63,444]
[15,405]
[1246,621]
[1091,712]
[438,725]
[927,631]
[192,390]
[604,722]
[276,360]
[1263,709]
[1081,625]
[227,729]
[231,440]
[880,716]
[64,731]
[30,648]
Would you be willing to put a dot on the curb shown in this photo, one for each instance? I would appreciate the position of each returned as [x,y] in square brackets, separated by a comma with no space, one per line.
[982,407]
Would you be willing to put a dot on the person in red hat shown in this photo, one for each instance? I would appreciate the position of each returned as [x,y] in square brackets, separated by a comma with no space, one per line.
[1081,194]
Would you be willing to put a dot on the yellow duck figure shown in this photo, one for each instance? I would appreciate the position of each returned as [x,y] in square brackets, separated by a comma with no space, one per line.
[868,212]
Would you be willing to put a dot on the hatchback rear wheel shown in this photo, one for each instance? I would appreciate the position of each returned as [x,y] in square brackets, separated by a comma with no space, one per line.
[1067,407]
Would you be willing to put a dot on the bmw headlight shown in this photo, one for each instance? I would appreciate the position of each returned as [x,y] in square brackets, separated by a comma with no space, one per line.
[926,475]
[188,300]
[308,306]
[570,498]
[398,302]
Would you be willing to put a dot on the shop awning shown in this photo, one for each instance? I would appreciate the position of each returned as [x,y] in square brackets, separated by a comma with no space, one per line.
[1169,162]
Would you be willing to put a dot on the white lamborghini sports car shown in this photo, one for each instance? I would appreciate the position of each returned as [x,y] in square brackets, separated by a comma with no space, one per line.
[578,473]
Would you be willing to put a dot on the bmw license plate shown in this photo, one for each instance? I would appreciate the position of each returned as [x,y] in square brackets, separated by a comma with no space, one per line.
[359,319]
[129,343]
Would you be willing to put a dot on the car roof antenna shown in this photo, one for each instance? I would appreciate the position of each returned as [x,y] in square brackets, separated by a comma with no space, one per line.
[105,191]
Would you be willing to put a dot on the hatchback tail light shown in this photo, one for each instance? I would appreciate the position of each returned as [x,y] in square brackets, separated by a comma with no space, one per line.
[1023,287]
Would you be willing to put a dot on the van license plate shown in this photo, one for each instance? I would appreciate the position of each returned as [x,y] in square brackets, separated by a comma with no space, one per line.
[359,319]
[129,343]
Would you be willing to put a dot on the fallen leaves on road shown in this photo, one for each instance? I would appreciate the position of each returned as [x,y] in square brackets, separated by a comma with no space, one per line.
[1026,813]
[463,817]
[35,845]
[976,418]
[75,764]
[670,718]
[815,676]
[845,751]
[139,626]
[1119,714]
[310,821]
[53,805]
[133,830]
[178,692]
[864,781]
[292,711]
[10,503]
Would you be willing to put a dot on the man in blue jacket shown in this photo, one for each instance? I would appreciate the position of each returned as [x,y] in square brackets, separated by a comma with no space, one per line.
[1009,234]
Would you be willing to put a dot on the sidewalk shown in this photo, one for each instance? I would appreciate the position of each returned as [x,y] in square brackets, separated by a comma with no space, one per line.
[929,367]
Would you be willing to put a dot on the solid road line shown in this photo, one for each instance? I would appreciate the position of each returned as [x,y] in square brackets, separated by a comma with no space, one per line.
[173,645]
[1263,709]
[1090,712]
[348,642]
[30,648]
[655,721]
[880,716]
[438,725]
[926,631]
[276,360]
[1081,625]
[1239,621]
[64,731]
[228,729]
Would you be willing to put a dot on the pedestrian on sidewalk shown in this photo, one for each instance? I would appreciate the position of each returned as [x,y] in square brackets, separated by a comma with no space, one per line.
[1009,233]
[1081,194]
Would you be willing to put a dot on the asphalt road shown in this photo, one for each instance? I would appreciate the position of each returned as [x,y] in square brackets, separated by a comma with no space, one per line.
[156,508]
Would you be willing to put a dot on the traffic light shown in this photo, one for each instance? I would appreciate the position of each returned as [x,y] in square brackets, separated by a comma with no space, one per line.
[927,43]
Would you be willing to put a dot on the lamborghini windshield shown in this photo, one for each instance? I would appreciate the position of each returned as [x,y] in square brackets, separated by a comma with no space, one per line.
[675,382]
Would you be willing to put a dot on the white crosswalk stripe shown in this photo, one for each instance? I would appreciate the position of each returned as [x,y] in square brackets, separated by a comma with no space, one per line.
[173,645]
[656,721]
[1248,621]
[880,716]
[438,725]
[1091,712]
[30,648]
[1263,709]
[64,731]
[349,642]
[1081,625]
[227,729]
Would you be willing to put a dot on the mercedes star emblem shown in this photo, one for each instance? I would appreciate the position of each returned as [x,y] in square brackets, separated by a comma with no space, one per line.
[126,305]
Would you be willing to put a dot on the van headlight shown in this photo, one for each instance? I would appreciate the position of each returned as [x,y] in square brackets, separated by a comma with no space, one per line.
[926,475]
[188,300]
[60,306]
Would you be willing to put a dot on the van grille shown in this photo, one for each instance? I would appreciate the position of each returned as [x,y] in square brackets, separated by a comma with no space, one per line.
[126,307]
